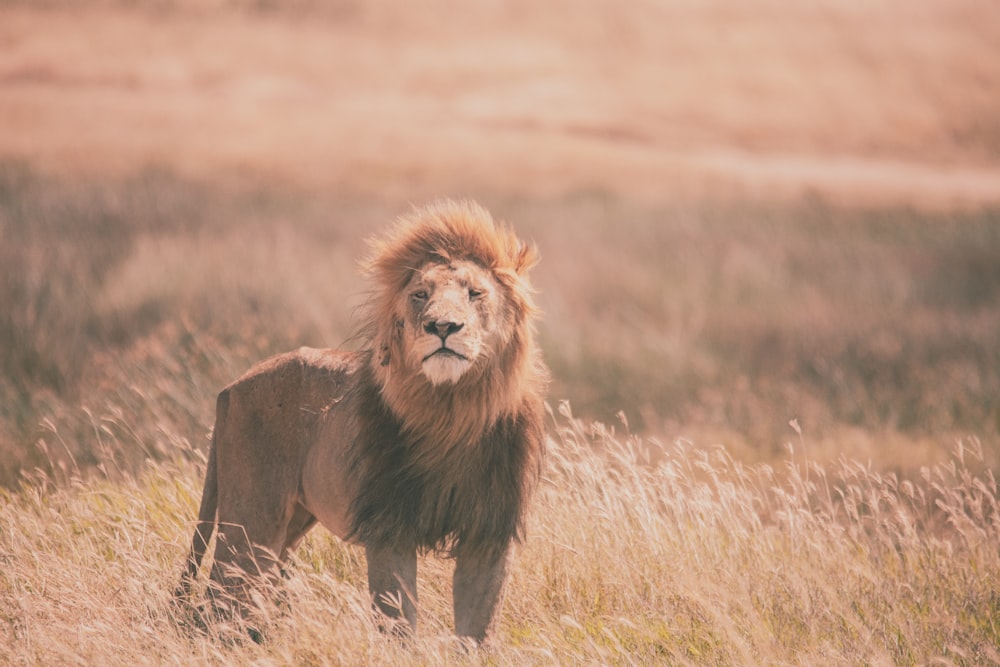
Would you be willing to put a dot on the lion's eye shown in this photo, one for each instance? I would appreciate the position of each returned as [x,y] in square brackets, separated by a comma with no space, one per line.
[476,293]
[420,295]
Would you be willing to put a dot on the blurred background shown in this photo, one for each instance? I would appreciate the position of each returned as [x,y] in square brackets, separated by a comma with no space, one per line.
[749,212]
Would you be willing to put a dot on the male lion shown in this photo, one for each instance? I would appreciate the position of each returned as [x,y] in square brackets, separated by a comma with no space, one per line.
[428,439]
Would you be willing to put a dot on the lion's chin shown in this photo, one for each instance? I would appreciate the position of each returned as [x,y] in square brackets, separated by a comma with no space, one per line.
[444,368]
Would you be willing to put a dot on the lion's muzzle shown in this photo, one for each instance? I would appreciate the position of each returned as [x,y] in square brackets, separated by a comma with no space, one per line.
[442,329]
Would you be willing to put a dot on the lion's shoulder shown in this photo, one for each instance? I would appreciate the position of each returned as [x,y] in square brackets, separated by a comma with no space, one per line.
[306,375]
[303,360]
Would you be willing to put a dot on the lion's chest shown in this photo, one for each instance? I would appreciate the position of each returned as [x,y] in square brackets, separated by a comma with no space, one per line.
[471,498]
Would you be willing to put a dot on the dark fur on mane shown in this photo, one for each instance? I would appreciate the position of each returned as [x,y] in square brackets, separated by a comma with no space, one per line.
[474,502]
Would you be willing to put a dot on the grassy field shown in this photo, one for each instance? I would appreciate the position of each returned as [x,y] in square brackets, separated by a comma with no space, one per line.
[863,532]
[771,294]
[719,320]
[638,553]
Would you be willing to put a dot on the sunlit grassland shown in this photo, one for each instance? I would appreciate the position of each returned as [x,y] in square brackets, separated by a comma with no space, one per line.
[716,320]
[708,529]
[638,552]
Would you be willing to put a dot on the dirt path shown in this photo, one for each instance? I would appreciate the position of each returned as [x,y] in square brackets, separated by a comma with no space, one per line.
[643,101]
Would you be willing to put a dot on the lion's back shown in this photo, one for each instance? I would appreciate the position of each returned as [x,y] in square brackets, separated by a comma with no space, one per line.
[302,363]
[276,405]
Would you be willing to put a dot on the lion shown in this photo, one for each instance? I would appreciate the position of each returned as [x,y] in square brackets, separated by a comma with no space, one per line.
[430,438]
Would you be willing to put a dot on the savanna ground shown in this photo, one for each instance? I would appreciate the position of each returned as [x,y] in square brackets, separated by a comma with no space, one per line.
[770,277]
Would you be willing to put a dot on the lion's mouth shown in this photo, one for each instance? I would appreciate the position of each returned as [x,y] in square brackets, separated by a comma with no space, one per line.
[447,352]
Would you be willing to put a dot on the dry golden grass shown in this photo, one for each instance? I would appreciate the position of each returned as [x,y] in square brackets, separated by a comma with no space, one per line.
[128,304]
[638,553]
[760,226]
[714,319]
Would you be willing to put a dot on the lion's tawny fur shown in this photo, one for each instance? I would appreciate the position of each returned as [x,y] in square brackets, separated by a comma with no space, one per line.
[429,438]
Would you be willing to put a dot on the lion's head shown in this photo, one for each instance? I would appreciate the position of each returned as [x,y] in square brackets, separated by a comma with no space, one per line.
[451,320]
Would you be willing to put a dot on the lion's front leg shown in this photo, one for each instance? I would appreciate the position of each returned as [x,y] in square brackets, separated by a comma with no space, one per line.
[392,581]
[478,591]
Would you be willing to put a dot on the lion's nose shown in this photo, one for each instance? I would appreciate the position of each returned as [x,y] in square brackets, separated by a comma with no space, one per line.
[442,329]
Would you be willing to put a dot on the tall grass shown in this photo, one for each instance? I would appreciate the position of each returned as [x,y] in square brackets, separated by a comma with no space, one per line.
[637,553]
[144,297]
[125,307]
[745,314]
[138,299]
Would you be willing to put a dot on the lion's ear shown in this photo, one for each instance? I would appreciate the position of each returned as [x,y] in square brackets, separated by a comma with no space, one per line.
[527,257]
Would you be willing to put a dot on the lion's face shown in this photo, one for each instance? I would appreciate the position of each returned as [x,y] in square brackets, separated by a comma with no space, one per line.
[451,319]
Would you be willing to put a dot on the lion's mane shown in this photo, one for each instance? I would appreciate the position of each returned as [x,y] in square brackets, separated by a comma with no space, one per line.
[449,467]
